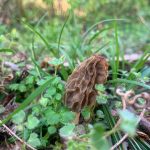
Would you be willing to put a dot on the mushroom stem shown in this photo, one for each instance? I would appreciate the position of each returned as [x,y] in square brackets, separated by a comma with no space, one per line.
[76,120]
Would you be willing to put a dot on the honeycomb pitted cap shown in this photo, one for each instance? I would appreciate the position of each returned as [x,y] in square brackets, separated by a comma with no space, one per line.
[80,88]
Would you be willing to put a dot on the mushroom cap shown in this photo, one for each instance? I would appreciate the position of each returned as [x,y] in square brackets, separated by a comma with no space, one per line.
[80,87]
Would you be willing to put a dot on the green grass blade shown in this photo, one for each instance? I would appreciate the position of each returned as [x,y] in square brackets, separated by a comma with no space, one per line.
[122,53]
[69,60]
[41,37]
[112,62]
[140,63]
[134,143]
[101,48]
[138,144]
[94,36]
[101,22]
[62,30]
[117,52]
[27,101]
[33,49]
[5,50]
[37,33]
[143,144]
[116,136]
[39,69]
[129,82]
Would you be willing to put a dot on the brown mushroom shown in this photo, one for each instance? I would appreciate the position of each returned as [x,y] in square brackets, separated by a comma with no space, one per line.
[80,87]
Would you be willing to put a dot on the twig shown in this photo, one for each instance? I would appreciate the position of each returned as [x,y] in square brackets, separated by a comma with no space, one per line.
[144,125]
[123,97]
[11,65]
[126,135]
[127,101]
[18,138]
[119,142]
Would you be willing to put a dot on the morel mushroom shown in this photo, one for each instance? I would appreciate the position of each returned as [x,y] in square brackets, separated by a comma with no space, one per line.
[80,87]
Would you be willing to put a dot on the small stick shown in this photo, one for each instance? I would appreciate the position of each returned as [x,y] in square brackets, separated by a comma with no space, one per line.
[11,65]
[77,117]
[119,142]
[18,138]
[126,135]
